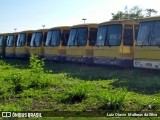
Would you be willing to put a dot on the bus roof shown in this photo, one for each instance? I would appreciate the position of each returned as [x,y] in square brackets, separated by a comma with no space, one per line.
[126,21]
[41,30]
[85,25]
[60,27]
[27,31]
[150,18]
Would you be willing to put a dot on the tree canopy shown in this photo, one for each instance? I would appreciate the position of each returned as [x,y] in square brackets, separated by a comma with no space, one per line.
[133,13]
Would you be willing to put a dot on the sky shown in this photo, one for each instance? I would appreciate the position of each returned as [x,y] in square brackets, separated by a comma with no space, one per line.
[32,14]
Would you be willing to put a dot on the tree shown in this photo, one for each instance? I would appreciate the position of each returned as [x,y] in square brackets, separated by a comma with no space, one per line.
[150,11]
[133,13]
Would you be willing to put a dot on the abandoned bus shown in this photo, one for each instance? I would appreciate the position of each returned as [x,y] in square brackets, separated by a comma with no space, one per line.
[37,42]
[80,44]
[115,43]
[11,44]
[56,42]
[3,39]
[22,45]
[147,49]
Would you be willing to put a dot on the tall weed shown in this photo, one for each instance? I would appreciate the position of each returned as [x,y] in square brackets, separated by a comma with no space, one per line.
[111,100]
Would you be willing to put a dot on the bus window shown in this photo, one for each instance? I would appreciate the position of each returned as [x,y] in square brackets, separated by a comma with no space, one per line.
[156,36]
[144,33]
[72,37]
[114,35]
[21,39]
[10,41]
[55,41]
[81,37]
[53,38]
[36,40]
[48,40]
[93,36]
[101,35]
[65,37]
[32,44]
[128,35]
[29,38]
[1,41]
[136,31]
[78,37]
[45,36]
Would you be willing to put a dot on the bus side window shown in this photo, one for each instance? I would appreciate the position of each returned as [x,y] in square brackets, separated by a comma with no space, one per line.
[92,36]
[15,40]
[136,31]
[29,39]
[44,38]
[65,37]
[128,35]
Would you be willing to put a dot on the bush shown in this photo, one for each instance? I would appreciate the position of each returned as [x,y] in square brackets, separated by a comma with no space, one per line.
[75,93]
[6,88]
[110,100]
[36,65]
[10,107]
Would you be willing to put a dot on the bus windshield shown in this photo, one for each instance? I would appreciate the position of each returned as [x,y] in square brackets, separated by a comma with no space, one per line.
[53,38]
[144,33]
[10,41]
[36,40]
[78,37]
[21,39]
[109,35]
[1,41]
[101,35]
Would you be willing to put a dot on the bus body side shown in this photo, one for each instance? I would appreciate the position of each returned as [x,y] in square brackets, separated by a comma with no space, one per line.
[22,45]
[147,49]
[80,46]
[115,43]
[10,45]
[56,42]
[3,39]
[37,42]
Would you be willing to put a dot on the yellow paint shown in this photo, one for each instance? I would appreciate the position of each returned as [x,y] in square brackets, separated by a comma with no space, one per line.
[147,52]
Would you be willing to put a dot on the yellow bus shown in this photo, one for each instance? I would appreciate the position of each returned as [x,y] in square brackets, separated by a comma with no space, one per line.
[11,44]
[147,49]
[37,42]
[80,44]
[22,45]
[3,39]
[115,43]
[56,42]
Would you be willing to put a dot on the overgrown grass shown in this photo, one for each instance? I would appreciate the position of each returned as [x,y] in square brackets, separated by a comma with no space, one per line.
[43,85]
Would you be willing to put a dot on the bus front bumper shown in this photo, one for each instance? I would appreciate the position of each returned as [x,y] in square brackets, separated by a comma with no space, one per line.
[21,55]
[9,55]
[75,59]
[147,64]
[55,57]
[114,62]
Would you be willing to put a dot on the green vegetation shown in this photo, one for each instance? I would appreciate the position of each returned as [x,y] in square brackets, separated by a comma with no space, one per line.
[133,13]
[49,86]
